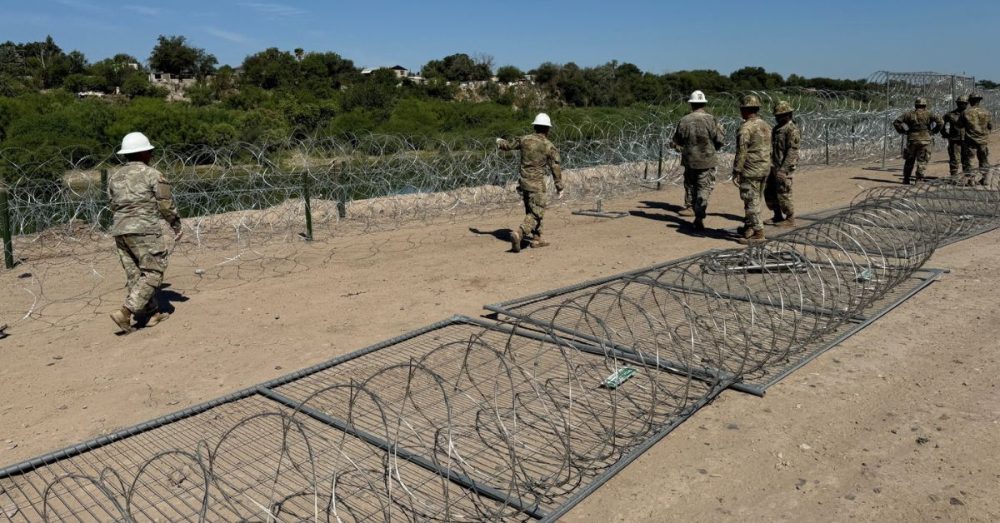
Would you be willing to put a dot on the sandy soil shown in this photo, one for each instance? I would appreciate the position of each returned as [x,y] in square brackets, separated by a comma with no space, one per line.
[837,440]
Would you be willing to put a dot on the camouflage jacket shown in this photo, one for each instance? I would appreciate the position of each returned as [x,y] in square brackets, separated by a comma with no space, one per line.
[952,128]
[978,123]
[698,137]
[140,197]
[537,154]
[785,147]
[918,125]
[753,149]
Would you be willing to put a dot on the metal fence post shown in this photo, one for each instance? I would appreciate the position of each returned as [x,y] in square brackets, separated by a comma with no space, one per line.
[341,193]
[306,197]
[5,226]
[885,127]
[659,167]
[826,129]
[104,213]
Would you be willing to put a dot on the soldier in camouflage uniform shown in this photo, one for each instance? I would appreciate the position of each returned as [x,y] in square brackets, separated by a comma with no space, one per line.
[698,138]
[785,140]
[977,124]
[538,155]
[953,132]
[751,166]
[140,197]
[918,125]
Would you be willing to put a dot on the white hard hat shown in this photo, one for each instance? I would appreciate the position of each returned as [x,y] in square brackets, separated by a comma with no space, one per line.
[135,143]
[542,119]
[697,97]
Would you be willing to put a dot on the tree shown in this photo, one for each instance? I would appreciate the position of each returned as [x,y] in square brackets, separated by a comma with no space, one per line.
[270,69]
[756,78]
[509,74]
[326,71]
[173,55]
[458,68]
[987,84]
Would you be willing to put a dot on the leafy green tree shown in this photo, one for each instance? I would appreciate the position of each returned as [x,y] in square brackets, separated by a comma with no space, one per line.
[509,74]
[270,69]
[756,78]
[326,72]
[457,68]
[173,55]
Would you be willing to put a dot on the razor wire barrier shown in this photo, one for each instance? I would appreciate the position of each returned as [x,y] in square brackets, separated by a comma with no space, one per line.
[460,421]
[469,420]
[756,313]
[238,193]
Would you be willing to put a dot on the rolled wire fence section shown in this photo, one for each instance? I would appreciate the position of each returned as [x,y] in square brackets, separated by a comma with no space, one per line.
[461,421]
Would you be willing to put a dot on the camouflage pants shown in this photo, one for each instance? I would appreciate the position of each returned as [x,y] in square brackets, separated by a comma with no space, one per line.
[958,162]
[778,193]
[534,211]
[981,151]
[918,154]
[752,192]
[698,186]
[144,259]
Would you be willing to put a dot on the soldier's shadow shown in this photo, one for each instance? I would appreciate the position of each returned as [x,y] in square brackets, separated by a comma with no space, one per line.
[166,297]
[673,208]
[500,234]
[684,226]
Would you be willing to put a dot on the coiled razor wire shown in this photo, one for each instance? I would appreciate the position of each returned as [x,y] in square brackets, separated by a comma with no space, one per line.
[473,421]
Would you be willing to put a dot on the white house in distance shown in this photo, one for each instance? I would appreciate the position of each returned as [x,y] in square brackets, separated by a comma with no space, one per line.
[401,73]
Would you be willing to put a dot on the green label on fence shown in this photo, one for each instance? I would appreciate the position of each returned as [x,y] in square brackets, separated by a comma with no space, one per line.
[618,377]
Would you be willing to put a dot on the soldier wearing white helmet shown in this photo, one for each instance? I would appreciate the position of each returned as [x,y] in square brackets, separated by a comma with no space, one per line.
[698,138]
[140,198]
[538,155]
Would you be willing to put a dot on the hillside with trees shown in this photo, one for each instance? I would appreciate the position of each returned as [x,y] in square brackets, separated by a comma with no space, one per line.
[275,94]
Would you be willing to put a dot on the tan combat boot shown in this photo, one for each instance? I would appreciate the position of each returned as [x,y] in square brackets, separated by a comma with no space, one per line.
[515,241]
[537,242]
[687,211]
[789,221]
[754,238]
[775,220]
[123,318]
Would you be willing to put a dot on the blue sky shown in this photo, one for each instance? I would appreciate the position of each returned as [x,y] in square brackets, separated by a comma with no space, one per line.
[841,39]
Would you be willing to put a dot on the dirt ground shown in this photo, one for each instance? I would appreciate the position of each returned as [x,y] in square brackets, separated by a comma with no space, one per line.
[837,440]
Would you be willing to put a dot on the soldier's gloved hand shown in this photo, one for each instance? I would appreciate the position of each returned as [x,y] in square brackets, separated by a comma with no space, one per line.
[499,142]
[559,194]
[178,233]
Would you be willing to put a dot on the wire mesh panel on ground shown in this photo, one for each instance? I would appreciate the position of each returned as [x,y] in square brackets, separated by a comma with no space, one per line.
[752,314]
[460,421]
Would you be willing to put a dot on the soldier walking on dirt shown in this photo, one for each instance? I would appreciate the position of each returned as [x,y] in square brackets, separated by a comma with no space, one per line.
[751,166]
[698,137]
[785,138]
[918,125]
[538,154]
[140,197]
[954,133]
[977,124]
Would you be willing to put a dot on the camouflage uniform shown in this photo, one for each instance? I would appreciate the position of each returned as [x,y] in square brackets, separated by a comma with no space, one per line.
[751,166]
[784,158]
[977,123]
[140,197]
[953,132]
[918,125]
[698,137]
[537,155]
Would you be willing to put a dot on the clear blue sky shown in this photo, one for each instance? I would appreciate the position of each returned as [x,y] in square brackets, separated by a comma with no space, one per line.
[840,39]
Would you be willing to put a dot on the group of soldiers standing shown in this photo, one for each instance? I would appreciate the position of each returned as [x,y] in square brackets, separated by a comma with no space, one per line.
[763,166]
[966,130]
